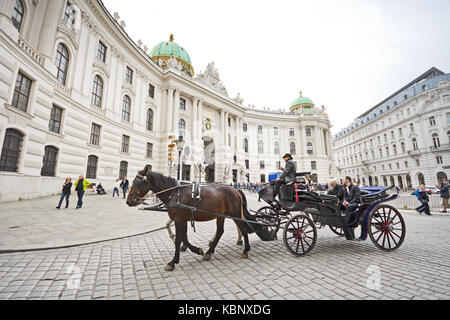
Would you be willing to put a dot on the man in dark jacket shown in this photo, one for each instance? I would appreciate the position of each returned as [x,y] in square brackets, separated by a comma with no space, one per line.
[424,199]
[124,185]
[443,188]
[288,174]
[351,195]
[336,190]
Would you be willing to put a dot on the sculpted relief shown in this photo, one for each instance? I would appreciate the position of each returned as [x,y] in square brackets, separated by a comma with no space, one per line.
[211,79]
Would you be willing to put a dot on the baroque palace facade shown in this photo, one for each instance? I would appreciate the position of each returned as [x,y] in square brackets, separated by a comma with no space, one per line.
[403,140]
[79,97]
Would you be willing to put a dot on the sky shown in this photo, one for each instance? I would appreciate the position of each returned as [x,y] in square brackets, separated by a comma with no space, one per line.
[347,55]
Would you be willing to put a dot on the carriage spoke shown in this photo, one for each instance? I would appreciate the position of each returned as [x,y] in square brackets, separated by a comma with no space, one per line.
[379,237]
[389,241]
[393,239]
[396,234]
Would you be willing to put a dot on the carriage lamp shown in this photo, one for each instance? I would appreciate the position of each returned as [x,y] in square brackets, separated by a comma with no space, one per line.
[180,145]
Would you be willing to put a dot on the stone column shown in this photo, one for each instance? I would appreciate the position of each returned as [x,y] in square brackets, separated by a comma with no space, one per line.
[169,108]
[200,119]
[222,128]
[176,111]
[318,140]
[194,119]
[53,14]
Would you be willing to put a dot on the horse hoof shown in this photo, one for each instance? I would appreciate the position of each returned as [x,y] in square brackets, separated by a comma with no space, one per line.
[207,257]
[239,243]
[183,248]
[244,256]
[200,252]
[169,268]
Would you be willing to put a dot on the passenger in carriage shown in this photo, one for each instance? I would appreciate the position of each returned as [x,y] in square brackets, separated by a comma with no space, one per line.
[336,190]
[351,195]
[288,174]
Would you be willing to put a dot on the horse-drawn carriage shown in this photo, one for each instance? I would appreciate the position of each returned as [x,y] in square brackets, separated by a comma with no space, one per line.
[299,213]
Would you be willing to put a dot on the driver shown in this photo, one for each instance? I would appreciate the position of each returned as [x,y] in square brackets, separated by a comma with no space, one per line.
[288,174]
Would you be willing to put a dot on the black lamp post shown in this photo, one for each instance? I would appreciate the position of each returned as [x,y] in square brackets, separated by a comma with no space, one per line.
[180,146]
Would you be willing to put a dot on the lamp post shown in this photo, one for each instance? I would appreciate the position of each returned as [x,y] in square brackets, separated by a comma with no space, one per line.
[180,146]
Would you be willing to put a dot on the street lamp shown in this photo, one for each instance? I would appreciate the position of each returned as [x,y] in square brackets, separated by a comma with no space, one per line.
[180,146]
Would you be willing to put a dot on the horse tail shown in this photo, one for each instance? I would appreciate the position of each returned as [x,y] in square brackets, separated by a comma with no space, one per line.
[262,233]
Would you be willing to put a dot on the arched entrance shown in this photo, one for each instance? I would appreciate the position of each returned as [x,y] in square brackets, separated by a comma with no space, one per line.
[400,182]
[376,181]
[421,178]
[385,181]
[210,158]
[408,182]
[370,181]
[392,181]
[363,181]
[441,176]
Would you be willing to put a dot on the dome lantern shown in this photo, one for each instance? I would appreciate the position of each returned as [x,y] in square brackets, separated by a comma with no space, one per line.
[301,103]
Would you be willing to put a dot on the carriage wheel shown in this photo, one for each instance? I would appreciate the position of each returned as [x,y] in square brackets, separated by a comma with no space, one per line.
[269,215]
[387,228]
[300,235]
[338,231]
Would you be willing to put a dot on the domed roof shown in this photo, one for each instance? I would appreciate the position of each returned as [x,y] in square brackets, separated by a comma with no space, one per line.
[301,101]
[168,49]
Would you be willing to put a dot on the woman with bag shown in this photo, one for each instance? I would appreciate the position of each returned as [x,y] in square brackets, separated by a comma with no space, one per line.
[65,193]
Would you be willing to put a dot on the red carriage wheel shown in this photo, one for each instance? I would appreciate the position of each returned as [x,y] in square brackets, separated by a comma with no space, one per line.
[300,235]
[387,228]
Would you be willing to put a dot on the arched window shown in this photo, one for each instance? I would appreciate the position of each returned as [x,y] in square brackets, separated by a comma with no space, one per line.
[395,149]
[49,161]
[62,63]
[126,108]
[245,145]
[436,141]
[91,172]
[149,120]
[260,146]
[123,169]
[292,148]
[97,92]
[17,14]
[421,178]
[276,147]
[415,145]
[12,145]
[309,148]
[181,127]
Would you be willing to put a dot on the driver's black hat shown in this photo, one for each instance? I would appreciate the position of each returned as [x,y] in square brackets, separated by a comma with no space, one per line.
[287,155]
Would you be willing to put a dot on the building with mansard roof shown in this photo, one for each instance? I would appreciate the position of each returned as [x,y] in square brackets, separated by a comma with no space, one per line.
[79,97]
[404,140]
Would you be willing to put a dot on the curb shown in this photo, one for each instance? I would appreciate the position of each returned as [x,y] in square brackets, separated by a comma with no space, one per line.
[78,244]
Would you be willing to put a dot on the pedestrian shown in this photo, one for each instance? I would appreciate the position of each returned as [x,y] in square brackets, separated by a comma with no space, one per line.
[116,188]
[65,193]
[424,199]
[80,187]
[100,190]
[443,188]
[124,185]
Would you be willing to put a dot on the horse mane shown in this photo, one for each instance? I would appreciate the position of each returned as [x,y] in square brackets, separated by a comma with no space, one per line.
[162,181]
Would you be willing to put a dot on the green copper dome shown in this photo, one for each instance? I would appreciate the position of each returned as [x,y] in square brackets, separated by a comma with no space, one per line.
[168,49]
[300,102]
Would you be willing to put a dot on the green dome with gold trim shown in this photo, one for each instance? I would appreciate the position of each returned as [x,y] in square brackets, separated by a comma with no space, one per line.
[170,49]
[301,102]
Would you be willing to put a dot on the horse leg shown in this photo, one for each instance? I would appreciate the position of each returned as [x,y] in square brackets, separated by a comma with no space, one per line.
[172,236]
[187,244]
[239,240]
[219,233]
[212,240]
[244,255]
[178,238]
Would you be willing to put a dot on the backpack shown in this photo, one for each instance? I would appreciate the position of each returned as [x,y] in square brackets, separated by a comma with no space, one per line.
[416,193]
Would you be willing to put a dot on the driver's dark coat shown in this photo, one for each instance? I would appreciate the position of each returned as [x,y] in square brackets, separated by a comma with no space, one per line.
[352,194]
[289,171]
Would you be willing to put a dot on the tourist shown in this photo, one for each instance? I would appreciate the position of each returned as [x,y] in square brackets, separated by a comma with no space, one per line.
[65,193]
[100,190]
[124,185]
[80,187]
[336,190]
[116,187]
[443,188]
[424,199]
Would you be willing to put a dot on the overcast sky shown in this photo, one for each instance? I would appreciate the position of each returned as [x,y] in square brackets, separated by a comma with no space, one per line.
[347,55]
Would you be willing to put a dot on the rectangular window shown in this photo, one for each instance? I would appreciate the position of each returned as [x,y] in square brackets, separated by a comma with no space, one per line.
[55,119]
[439,160]
[95,134]
[182,104]
[398,165]
[125,144]
[448,116]
[69,13]
[129,75]
[263,178]
[275,131]
[313,165]
[21,92]
[308,132]
[229,122]
[406,164]
[432,121]
[244,127]
[101,51]
[247,164]
[151,91]
[277,165]
[418,162]
[262,166]
[291,132]
[149,153]
[260,129]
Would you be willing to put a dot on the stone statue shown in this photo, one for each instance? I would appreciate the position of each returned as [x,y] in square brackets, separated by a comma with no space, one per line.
[238,98]
[211,79]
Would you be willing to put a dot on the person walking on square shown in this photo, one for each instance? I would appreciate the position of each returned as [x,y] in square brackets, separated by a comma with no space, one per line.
[65,193]
[424,199]
[443,188]
[80,187]
[116,188]
[124,185]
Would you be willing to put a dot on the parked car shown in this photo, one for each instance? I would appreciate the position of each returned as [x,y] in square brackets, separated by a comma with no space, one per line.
[432,190]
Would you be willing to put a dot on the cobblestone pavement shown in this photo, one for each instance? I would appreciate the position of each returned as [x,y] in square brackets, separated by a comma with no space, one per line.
[132,268]
[34,224]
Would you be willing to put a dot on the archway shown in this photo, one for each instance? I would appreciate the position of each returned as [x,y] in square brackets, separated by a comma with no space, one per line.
[408,182]
[400,182]
[392,181]
[441,176]
[370,181]
[209,152]
[385,182]
[421,178]
[363,181]
[376,182]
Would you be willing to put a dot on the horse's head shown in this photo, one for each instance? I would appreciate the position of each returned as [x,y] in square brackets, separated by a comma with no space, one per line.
[139,188]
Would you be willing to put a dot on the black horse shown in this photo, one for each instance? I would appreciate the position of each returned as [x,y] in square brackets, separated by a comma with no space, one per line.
[220,199]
